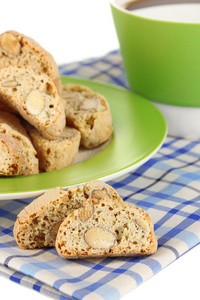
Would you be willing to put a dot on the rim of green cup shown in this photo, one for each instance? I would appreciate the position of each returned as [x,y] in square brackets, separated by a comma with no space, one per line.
[124,10]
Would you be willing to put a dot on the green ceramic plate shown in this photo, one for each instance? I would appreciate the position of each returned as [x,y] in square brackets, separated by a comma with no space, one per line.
[139,131]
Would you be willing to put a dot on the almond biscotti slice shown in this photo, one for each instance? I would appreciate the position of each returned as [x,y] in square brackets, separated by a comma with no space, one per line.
[89,112]
[34,96]
[100,228]
[13,121]
[16,145]
[19,50]
[38,223]
[55,154]
[12,159]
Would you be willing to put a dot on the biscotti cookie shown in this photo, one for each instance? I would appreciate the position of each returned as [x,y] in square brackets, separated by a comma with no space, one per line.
[13,121]
[12,159]
[38,223]
[13,141]
[34,96]
[55,154]
[100,228]
[88,112]
[19,50]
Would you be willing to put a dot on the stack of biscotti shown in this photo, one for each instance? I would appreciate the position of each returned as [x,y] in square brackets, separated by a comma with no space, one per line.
[91,220]
[30,87]
[25,151]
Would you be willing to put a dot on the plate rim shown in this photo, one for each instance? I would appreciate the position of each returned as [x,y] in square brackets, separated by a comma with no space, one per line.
[110,176]
[24,195]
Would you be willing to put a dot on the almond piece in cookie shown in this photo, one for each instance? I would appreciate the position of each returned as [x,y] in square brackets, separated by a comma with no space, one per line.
[86,212]
[10,44]
[95,189]
[35,102]
[10,83]
[99,238]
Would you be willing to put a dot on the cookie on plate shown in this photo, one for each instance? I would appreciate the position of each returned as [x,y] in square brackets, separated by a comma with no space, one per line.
[12,160]
[38,223]
[18,156]
[101,229]
[89,112]
[13,121]
[20,50]
[55,154]
[34,96]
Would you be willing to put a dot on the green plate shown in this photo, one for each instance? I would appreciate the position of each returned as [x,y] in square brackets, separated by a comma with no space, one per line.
[139,131]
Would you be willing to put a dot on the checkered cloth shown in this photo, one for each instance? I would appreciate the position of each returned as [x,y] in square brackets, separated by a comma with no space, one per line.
[167,186]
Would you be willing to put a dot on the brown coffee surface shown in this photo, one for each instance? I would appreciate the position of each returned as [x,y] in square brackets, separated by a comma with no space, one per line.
[132,5]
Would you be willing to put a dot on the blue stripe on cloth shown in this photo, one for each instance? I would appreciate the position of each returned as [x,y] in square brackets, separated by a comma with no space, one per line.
[153,264]
[108,292]
[16,277]
[176,253]
[32,283]
[37,286]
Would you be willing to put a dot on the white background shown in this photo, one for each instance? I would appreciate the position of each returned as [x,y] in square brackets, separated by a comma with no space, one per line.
[71,31]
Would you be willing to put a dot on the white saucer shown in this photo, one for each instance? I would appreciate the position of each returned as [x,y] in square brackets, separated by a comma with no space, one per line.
[182,121]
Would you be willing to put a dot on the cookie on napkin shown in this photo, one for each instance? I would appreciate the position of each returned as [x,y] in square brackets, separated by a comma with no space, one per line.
[37,224]
[100,229]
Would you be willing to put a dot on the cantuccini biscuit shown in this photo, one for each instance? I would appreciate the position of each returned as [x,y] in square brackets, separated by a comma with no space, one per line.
[19,50]
[89,112]
[18,156]
[13,121]
[34,96]
[55,154]
[37,224]
[100,229]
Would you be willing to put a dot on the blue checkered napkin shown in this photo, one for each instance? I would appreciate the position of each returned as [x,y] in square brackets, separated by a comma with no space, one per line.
[167,187]
[107,69]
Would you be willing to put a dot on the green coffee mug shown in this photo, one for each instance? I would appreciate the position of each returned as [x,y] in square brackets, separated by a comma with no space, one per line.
[161,58]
